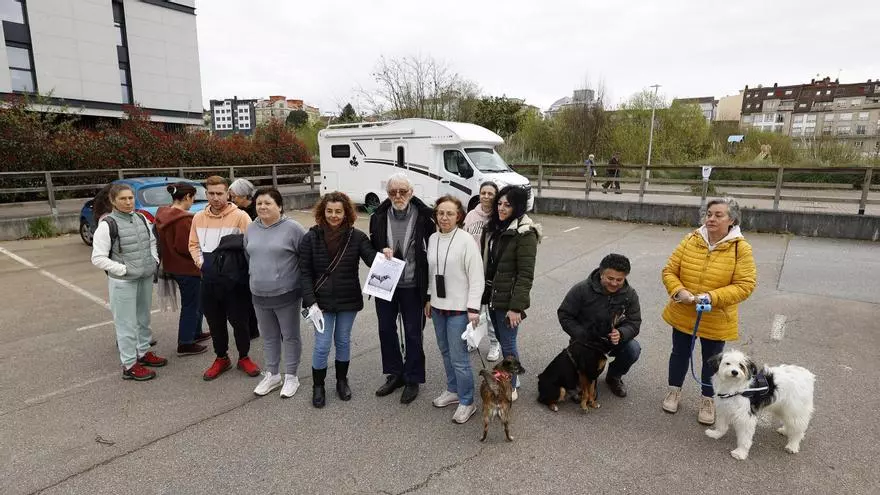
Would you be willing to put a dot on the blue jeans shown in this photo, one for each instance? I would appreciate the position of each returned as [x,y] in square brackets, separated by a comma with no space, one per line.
[337,328]
[456,360]
[190,324]
[506,335]
[625,355]
[679,360]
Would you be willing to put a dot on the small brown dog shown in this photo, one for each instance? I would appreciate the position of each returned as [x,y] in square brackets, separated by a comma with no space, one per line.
[496,392]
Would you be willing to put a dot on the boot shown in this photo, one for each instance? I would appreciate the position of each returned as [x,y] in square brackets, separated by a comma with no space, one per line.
[318,396]
[342,388]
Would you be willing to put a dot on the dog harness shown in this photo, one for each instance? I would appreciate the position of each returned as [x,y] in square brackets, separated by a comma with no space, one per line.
[758,391]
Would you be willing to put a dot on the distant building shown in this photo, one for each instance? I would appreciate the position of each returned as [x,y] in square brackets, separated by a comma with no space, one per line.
[729,107]
[93,57]
[233,116]
[279,107]
[708,105]
[849,113]
[580,97]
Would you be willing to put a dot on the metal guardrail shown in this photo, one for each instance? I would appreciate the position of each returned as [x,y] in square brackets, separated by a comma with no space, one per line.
[48,180]
[568,177]
[562,177]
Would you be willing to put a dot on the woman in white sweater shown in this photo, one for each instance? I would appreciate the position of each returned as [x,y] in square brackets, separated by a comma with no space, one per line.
[456,285]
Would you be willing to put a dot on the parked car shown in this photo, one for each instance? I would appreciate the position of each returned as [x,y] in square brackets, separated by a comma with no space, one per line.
[149,194]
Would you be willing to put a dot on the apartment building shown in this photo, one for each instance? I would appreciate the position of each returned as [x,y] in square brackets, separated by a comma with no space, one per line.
[92,57]
[278,107]
[708,105]
[823,108]
[233,116]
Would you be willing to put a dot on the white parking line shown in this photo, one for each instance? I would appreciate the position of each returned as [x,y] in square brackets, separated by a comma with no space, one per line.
[569,230]
[41,398]
[59,280]
[777,330]
[96,325]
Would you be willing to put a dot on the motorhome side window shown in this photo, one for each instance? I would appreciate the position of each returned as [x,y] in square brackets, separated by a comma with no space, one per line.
[455,163]
[340,151]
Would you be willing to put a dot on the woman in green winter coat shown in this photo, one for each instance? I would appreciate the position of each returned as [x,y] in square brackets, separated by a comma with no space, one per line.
[510,246]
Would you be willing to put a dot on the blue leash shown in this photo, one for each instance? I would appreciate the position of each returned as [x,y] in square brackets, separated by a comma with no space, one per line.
[702,305]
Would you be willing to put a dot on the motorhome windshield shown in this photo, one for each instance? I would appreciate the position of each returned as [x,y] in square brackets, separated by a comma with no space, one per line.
[486,160]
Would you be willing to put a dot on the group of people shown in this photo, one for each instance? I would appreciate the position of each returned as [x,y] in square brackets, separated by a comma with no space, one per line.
[242,258]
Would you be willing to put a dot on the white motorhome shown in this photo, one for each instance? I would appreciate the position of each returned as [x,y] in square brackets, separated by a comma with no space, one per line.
[439,157]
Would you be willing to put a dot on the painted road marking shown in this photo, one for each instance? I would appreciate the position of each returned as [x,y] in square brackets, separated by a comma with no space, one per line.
[777,330]
[59,280]
[41,398]
[571,229]
[110,322]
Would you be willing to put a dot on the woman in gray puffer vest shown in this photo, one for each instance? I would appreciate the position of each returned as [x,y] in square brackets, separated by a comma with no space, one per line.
[127,252]
[272,247]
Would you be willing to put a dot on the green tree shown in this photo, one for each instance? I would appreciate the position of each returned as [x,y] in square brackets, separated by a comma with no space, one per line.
[499,114]
[297,119]
[348,115]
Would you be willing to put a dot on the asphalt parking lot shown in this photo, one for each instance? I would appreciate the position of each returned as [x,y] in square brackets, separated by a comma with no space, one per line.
[69,424]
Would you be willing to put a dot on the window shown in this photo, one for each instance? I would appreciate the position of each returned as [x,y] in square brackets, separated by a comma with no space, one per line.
[455,163]
[747,118]
[802,105]
[122,54]
[829,117]
[861,130]
[863,115]
[858,144]
[810,129]
[11,11]
[798,119]
[340,151]
[828,92]
[769,93]
[788,92]
[749,105]
[846,116]
[811,117]
[20,69]
[797,131]
[844,130]
[855,102]
[818,93]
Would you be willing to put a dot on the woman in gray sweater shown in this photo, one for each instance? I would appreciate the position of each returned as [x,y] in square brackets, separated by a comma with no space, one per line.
[272,247]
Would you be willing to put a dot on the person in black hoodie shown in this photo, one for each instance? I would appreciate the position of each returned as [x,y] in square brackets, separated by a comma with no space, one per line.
[402,225]
[328,255]
[606,300]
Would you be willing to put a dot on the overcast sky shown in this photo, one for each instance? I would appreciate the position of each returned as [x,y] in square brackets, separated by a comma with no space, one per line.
[540,50]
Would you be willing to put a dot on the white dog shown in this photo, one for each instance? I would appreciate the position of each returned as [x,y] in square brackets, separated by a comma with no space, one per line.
[741,392]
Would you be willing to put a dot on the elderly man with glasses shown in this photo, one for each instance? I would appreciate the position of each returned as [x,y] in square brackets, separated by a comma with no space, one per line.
[402,225]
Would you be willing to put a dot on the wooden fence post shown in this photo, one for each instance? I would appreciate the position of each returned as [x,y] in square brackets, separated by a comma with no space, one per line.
[866,186]
[231,174]
[121,174]
[778,193]
[642,182]
[540,179]
[181,172]
[50,192]
[311,176]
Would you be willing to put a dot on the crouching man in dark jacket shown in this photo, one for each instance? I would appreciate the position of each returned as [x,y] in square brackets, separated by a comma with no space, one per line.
[605,300]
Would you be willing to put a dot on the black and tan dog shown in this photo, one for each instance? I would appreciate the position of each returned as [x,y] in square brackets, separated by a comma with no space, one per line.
[577,367]
[496,392]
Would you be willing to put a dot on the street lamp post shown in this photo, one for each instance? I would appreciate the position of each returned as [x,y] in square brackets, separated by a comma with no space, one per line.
[647,172]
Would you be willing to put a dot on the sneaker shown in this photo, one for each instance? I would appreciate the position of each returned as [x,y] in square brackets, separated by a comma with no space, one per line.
[494,352]
[706,415]
[220,365]
[445,399]
[190,349]
[463,413]
[616,385]
[269,383]
[138,373]
[203,336]
[291,385]
[670,403]
[248,366]
[514,395]
[150,359]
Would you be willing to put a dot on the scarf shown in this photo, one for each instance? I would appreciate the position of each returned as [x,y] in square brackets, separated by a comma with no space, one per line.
[332,238]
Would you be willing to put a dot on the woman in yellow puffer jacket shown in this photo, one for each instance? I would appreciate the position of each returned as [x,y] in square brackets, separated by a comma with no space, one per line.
[714,261]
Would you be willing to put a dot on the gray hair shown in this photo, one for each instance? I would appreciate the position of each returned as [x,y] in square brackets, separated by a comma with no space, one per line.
[732,207]
[242,187]
[399,177]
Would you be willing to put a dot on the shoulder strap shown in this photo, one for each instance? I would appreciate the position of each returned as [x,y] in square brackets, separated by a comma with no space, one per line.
[334,263]
[114,233]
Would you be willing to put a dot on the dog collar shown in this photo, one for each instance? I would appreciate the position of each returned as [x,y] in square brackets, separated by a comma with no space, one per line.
[757,389]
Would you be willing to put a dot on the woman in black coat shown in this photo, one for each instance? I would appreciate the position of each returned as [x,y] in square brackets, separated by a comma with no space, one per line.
[329,264]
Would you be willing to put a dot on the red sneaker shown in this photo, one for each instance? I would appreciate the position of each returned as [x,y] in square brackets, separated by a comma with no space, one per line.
[220,365]
[150,359]
[245,364]
[203,337]
[138,373]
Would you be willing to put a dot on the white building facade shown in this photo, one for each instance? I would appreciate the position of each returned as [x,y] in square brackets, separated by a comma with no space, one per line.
[96,56]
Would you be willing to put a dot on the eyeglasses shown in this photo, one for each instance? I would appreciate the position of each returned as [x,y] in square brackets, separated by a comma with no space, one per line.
[398,192]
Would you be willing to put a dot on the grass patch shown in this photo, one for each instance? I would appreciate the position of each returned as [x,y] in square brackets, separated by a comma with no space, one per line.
[41,228]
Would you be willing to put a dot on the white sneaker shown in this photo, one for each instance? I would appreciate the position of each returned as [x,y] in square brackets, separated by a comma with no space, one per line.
[291,385]
[445,399]
[494,352]
[269,383]
[513,396]
[463,413]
